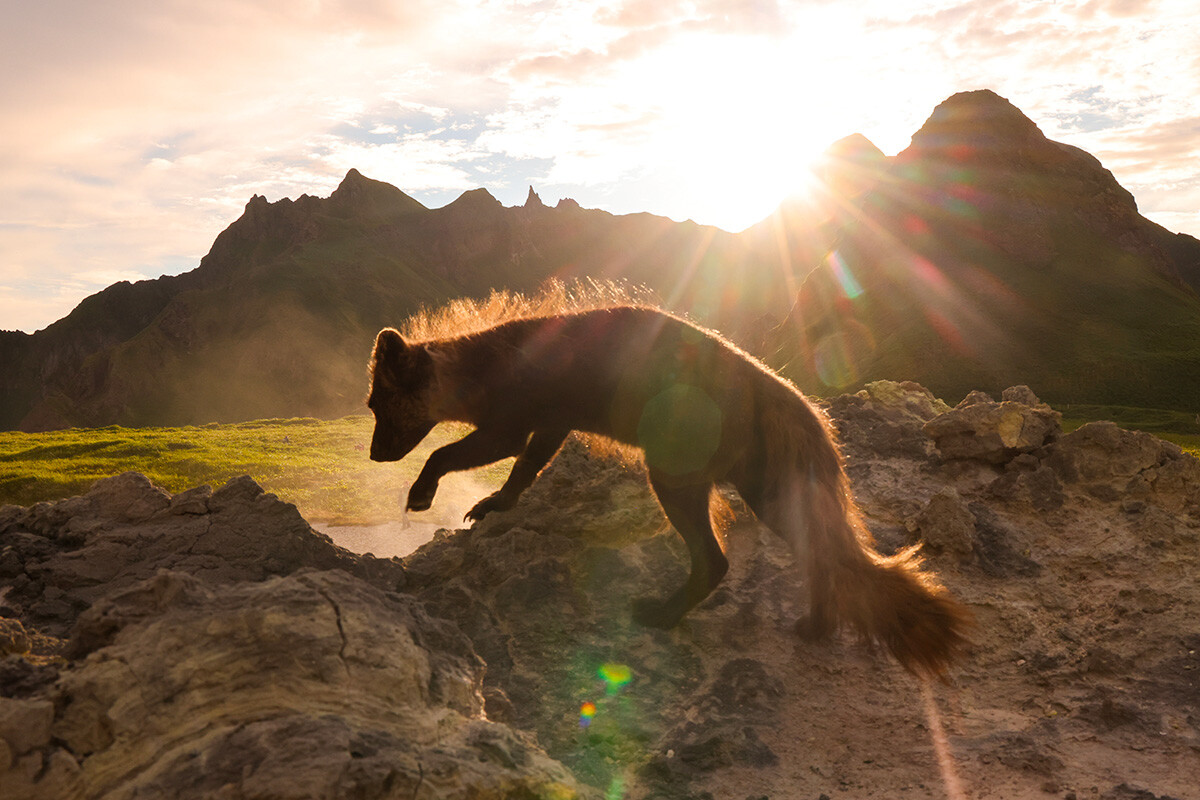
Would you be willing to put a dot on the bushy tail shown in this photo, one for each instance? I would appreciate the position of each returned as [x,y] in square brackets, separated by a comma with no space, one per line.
[886,599]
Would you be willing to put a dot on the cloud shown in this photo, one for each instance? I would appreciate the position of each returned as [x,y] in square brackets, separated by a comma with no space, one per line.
[134,132]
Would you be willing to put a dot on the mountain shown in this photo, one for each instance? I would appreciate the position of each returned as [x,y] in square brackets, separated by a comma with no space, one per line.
[986,255]
[983,255]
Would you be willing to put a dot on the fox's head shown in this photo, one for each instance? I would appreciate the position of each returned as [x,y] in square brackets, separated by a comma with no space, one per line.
[401,383]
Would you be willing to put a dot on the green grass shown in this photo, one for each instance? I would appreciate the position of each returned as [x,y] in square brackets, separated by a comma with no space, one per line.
[321,466]
[1180,427]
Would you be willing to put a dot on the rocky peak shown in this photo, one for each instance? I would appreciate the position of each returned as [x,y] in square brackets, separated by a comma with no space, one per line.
[855,148]
[361,196]
[533,201]
[978,126]
[851,166]
[476,200]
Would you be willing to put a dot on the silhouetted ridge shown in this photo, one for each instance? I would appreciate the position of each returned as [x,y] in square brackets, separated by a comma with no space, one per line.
[983,256]
[851,165]
[975,126]
[533,201]
[475,200]
[359,196]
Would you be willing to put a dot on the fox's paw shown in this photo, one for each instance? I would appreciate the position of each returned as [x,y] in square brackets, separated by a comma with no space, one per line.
[652,613]
[814,627]
[420,497]
[493,502]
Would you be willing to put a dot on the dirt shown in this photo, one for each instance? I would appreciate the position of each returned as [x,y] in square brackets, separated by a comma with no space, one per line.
[1079,562]
[1078,555]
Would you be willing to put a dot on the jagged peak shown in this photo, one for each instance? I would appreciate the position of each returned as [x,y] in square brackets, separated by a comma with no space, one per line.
[975,125]
[533,200]
[475,198]
[358,195]
[854,147]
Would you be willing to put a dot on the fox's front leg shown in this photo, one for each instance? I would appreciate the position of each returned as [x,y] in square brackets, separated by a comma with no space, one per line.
[537,454]
[476,449]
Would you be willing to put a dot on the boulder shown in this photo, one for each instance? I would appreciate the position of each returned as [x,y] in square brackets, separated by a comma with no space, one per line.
[501,660]
[64,556]
[1131,466]
[981,429]
[885,418]
[311,685]
[946,524]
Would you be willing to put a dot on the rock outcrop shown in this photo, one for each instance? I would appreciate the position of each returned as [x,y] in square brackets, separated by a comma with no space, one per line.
[500,661]
[981,429]
[211,644]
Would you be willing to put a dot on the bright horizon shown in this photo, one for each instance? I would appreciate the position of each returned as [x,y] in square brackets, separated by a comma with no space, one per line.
[136,133]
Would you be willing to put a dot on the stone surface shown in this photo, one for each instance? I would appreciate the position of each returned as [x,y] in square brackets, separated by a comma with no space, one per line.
[218,647]
[67,555]
[981,429]
[946,524]
[501,661]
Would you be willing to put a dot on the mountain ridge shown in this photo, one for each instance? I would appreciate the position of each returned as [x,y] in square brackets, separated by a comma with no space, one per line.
[951,263]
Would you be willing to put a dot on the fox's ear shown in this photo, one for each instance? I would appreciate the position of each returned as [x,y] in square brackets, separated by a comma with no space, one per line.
[390,346]
[397,364]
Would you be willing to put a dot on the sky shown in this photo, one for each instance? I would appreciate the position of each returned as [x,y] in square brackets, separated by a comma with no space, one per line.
[132,132]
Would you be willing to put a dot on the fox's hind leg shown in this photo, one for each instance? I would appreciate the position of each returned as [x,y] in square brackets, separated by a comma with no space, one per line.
[782,510]
[541,448]
[687,509]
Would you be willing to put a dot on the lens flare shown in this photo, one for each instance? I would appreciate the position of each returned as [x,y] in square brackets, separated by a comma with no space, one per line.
[615,677]
[587,712]
[680,429]
[841,271]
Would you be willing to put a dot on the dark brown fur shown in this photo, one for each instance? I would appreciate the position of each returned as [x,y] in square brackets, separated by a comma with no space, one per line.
[704,413]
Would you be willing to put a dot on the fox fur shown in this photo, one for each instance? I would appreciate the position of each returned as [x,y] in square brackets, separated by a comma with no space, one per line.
[704,413]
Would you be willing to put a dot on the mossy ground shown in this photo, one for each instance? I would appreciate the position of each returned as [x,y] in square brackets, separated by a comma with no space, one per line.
[322,466]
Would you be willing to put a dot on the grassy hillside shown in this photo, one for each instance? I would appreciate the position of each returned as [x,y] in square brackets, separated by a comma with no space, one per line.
[321,466]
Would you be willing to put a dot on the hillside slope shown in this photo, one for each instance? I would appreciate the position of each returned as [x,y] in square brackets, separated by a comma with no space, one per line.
[983,255]
[986,255]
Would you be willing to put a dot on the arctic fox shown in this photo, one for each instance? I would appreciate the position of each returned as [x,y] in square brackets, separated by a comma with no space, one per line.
[704,413]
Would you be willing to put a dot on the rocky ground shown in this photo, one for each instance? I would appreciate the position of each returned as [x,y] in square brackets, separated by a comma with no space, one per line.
[211,644]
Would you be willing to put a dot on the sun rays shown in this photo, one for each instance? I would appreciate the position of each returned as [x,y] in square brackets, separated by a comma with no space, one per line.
[892,251]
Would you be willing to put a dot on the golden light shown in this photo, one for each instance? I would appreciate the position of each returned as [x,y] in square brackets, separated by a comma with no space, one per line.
[740,120]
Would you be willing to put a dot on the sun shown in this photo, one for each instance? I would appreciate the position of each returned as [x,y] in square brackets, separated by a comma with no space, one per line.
[736,130]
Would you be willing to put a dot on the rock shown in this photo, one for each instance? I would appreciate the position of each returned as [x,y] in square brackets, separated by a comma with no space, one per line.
[1037,483]
[1113,463]
[1102,452]
[193,501]
[129,497]
[25,724]
[125,530]
[1020,394]
[885,419]
[947,525]
[275,687]
[981,429]
[244,656]
[13,637]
